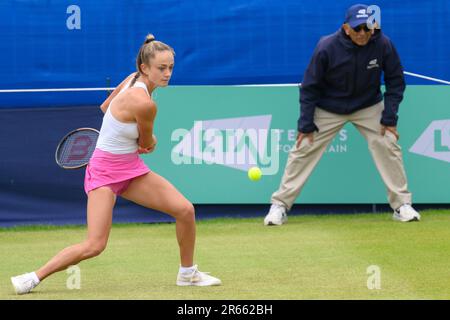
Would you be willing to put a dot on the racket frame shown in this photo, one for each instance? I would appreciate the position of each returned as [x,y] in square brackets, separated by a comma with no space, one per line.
[61,142]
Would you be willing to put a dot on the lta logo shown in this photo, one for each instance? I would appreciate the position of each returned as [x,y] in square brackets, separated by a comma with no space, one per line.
[434,141]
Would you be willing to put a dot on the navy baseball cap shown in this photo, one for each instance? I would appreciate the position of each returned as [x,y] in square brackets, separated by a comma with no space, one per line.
[356,15]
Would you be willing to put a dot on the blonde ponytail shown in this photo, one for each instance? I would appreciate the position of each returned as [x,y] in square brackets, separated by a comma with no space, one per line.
[148,51]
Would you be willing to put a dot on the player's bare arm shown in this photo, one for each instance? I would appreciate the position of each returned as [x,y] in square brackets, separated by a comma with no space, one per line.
[145,113]
[116,91]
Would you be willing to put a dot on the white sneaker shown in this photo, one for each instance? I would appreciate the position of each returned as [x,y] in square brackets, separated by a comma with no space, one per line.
[197,278]
[24,283]
[406,213]
[276,216]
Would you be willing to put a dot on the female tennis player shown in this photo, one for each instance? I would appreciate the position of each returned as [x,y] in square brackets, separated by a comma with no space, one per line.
[116,169]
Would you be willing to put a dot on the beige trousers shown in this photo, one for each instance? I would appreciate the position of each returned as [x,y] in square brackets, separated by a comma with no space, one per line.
[385,151]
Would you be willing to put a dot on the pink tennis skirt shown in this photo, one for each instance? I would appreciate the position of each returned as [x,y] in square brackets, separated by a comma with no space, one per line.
[115,171]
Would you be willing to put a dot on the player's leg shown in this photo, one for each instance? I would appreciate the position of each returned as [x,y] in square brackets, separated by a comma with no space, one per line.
[155,192]
[99,218]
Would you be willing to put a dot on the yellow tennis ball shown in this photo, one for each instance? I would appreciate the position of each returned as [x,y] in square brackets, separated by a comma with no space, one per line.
[254,173]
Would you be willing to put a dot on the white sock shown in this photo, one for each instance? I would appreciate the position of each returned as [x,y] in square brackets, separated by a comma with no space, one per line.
[187,269]
[34,276]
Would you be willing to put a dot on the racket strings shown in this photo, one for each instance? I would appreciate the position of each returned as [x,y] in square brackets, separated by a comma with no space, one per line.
[77,148]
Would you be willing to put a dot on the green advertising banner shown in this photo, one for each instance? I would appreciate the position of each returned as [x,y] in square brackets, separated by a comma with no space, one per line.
[208,138]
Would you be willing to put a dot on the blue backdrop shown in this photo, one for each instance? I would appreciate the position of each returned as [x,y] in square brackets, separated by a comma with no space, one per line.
[52,44]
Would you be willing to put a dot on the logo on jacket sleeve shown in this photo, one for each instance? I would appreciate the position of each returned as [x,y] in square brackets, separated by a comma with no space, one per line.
[373,64]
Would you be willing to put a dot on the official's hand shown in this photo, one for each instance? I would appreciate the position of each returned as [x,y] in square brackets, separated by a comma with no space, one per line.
[301,136]
[392,130]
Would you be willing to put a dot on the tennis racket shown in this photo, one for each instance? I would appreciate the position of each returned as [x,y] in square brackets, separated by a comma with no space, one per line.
[76,148]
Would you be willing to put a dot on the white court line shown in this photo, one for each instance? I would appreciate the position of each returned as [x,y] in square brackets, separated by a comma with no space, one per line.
[55,90]
[243,85]
[425,77]
[268,85]
[298,84]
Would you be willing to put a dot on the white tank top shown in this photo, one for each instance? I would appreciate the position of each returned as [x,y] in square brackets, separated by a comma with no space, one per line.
[119,137]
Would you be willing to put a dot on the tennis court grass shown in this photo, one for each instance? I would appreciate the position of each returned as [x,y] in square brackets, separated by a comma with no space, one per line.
[311,257]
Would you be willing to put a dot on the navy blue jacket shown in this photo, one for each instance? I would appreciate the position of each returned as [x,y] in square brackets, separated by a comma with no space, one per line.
[343,78]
